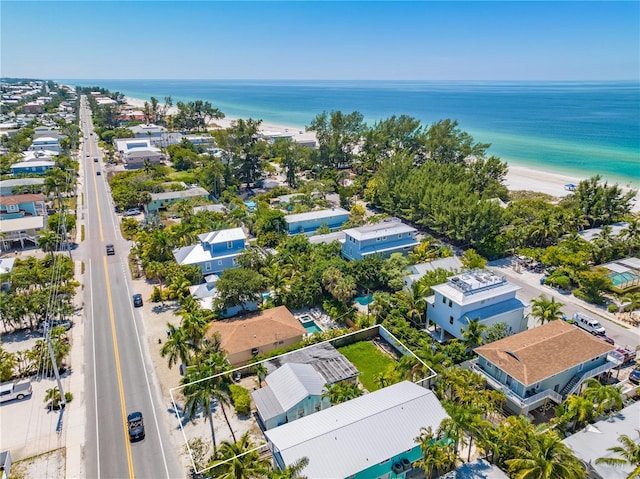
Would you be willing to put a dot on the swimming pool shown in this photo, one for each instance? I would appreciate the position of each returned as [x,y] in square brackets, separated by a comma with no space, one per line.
[309,324]
[364,300]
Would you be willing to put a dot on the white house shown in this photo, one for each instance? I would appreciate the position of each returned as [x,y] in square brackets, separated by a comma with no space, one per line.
[372,436]
[135,151]
[476,294]
[45,143]
[217,250]
[417,271]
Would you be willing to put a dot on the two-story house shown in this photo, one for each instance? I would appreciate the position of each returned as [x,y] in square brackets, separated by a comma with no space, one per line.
[544,363]
[477,294]
[292,391]
[372,436]
[134,152]
[308,223]
[22,217]
[45,143]
[217,251]
[384,238]
[150,131]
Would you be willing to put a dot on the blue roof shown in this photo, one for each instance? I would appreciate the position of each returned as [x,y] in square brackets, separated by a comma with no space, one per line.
[495,309]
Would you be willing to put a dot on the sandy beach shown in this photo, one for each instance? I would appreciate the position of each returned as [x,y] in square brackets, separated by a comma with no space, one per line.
[518,177]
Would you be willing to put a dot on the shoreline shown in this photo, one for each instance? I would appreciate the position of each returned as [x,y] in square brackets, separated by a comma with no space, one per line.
[519,177]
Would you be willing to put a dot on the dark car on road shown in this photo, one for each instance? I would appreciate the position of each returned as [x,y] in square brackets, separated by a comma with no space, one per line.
[135,424]
[634,376]
[98,173]
[110,250]
[137,300]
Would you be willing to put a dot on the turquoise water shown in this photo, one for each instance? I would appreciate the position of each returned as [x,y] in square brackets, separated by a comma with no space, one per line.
[311,327]
[568,127]
[364,300]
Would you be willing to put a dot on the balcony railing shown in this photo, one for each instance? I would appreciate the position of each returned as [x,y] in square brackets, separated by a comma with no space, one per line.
[591,374]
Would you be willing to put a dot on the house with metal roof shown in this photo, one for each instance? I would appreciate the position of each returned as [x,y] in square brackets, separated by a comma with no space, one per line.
[21,185]
[418,271]
[216,252]
[544,363]
[593,442]
[45,143]
[309,222]
[369,436]
[332,365]
[292,391]
[161,201]
[477,294]
[33,167]
[206,294]
[22,217]
[258,333]
[147,131]
[134,152]
[384,238]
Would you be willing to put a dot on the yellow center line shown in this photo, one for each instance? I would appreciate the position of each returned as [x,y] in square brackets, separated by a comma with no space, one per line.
[119,373]
[95,186]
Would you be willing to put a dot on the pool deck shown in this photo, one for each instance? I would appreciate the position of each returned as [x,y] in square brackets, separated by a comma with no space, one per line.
[318,316]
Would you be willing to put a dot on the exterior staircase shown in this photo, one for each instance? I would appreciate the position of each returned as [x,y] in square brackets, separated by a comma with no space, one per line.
[574,380]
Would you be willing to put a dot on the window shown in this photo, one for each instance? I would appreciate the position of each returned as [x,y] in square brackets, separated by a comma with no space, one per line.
[301,412]
[219,262]
[450,303]
[384,238]
[207,266]
[235,261]
[378,238]
[444,300]
[229,244]
[581,367]
[400,235]
[450,319]
[316,408]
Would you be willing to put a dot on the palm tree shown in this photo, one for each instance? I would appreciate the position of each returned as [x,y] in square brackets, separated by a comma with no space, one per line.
[199,396]
[546,310]
[292,471]
[630,452]
[238,460]
[631,234]
[48,240]
[576,410]
[177,346]
[605,397]
[472,336]
[342,392]
[261,371]
[546,457]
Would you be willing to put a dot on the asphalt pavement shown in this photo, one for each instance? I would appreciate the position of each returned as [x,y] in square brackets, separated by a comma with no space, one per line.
[119,377]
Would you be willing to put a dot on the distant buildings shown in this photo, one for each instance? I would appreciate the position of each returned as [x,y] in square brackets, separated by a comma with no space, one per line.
[308,223]
[384,239]
[246,337]
[370,436]
[217,251]
[477,294]
[547,362]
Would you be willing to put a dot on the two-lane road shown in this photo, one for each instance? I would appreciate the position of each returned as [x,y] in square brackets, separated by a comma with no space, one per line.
[119,376]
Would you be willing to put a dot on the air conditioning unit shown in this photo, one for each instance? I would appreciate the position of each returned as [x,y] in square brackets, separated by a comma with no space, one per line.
[406,464]
[397,468]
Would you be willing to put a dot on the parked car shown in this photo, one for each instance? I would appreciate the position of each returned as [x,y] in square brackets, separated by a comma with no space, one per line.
[110,250]
[137,300]
[10,391]
[54,324]
[131,212]
[135,425]
[634,376]
[95,160]
[588,324]
[606,339]
[624,355]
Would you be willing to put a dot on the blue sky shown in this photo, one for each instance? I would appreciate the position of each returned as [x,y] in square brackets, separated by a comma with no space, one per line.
[420,40]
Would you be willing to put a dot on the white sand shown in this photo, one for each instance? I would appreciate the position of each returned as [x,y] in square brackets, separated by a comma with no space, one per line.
[518,178]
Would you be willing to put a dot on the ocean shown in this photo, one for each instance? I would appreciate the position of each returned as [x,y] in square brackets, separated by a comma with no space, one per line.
[573,128]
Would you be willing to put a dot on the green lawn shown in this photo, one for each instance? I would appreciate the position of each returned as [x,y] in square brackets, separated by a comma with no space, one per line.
[369,360]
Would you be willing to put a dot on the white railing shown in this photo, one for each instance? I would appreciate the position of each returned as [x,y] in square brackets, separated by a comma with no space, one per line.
[590,374]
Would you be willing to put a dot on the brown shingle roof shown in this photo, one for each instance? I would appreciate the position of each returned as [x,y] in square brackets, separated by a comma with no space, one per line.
[17,199]
[542,352]
[262,329]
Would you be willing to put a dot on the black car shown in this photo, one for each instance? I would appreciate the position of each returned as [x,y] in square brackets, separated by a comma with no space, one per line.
[634,376]
[135,424]
[110,250]
[98,173]
[137,300]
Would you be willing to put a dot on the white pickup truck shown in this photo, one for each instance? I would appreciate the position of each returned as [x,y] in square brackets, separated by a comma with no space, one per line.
[10,391]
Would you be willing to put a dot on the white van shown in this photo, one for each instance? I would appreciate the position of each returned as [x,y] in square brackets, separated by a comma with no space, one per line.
[589,324]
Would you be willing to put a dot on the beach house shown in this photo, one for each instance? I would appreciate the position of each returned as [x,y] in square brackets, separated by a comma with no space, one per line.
[206,294]
[134,152]
[32,167]
[308,223]
[161,201]
[216,251]
[258,333]
[372,436]
[21,185]
[384,238]
[477,294]
[292,391]
[544,363]
[22,217]
[45,143]
[418,271]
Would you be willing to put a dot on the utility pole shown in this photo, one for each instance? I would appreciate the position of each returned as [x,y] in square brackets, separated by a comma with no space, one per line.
[54,365]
